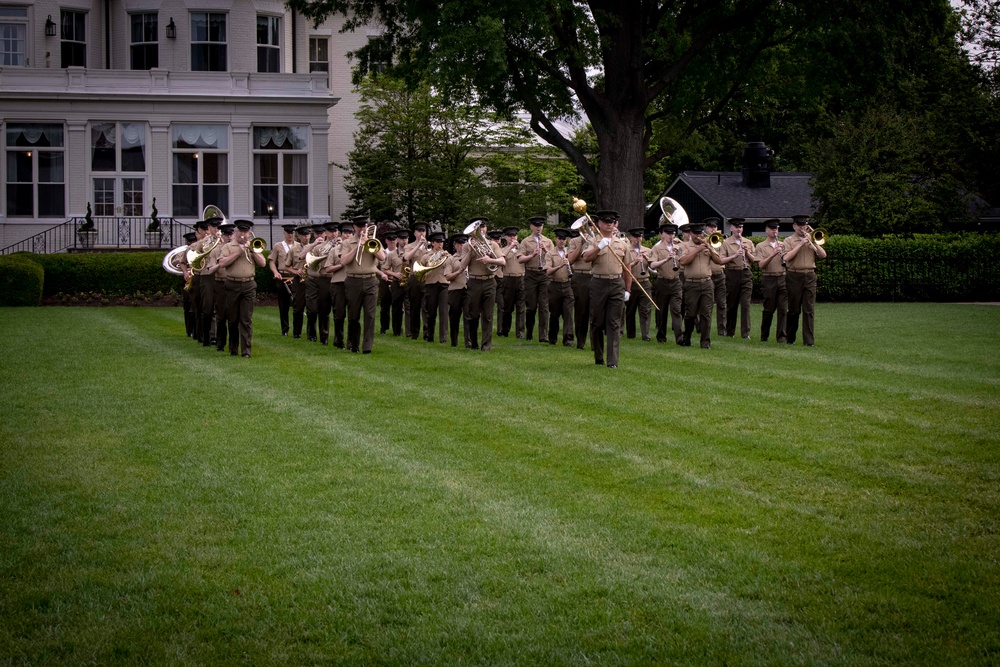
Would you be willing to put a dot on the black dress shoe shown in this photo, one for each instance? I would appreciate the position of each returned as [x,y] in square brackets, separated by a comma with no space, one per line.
[367,352]
[297,336]
[312,339]
[220,349]
[246,356]
[612,366]
[646,338]
[234,353]
[284,333]
[661,340]
[599,362]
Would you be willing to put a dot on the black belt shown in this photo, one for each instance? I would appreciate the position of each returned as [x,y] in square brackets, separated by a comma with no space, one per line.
[480,277]
[360,275]
[697,280]
[801,270]
[240,280]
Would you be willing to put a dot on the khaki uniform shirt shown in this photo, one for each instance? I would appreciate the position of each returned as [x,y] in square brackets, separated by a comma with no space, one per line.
[340,275]
[662,251]
[462,279]
[558,258]
[409,246]
[393,262]
[806,257]
[199,247]
[435,276]
[349,255]
[702,265]
[513,267]
[606,265]
[528,246]
[242,267]
[580,265]
[477,268]
[320,249]
[284,257]
[212,261]
[764,250]
[731,246]
[643,265]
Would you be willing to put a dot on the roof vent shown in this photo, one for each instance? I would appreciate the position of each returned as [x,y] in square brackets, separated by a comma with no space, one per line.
[757,165]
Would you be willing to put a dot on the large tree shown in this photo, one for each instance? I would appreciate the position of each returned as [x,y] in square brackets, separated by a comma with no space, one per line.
[634,67]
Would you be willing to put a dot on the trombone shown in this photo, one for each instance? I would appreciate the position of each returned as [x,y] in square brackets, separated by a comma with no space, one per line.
[817,236]
[585,221]
[368,242]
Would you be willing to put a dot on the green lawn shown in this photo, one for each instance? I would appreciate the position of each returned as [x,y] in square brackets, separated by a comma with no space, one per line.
[748,504]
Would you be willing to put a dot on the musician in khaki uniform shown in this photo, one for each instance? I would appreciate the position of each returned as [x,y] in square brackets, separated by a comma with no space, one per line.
[302,234]
[482,287]
[768,256]
[580,282]
[718,280]
[513,286]
[361,284]
[557,266]
[697,258]
[436,287]
[391,310]
[498,277]
[335,270]
[609,286]
[208,334]
[801,254]
[240,263]
[200,246]
[667,290]
[282,261]
[318,284]
[218,274]
[458,291]
[534,248]
[414,288]
[640,273]
[738,255]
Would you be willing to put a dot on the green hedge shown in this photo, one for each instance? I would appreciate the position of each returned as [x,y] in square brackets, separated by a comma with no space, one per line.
[927,267]
[962,267]
[117,274]
[21,281]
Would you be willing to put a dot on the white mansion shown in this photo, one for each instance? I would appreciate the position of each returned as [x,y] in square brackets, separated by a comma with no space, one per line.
[112,103]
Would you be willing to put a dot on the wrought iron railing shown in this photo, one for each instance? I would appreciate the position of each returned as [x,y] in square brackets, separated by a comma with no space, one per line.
[111,232]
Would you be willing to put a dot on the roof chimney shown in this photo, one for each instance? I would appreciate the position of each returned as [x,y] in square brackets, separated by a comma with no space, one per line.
[757,165]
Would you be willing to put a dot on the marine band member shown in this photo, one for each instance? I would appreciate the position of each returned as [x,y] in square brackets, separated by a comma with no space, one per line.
[282,263]
[557,266]
[514,311]
[738,256]
[668,292]
[697,259]
[800,257]
[482,288]
[240,263]
[609,286]
[360,285]
[534,248]
[639,301]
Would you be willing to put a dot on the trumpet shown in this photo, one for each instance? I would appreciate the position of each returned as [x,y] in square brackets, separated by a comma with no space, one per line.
[368,243]
[480,245]
[585,222]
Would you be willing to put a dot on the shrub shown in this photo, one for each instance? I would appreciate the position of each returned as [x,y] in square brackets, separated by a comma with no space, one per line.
[21,281]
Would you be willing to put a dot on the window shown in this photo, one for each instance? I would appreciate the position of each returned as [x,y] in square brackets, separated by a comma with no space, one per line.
[268,44]
[378,55]
[319,54]
[117,149]
[208,42]
[74,39]
[13,36]
[145,49]
[280,163]
[36,182]
[200,168]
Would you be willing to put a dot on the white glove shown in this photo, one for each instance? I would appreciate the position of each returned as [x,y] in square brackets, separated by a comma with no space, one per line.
[604,243]
[627,295]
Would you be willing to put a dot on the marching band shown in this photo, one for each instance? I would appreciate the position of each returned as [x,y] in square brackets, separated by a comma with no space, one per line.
[592,277]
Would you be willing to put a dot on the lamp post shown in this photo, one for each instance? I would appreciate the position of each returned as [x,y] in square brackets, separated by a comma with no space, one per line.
[270,223]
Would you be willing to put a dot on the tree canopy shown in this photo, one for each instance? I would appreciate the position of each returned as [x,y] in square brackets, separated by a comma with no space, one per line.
[656,79]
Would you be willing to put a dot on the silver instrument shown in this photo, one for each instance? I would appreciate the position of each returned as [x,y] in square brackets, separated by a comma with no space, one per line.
[480,245]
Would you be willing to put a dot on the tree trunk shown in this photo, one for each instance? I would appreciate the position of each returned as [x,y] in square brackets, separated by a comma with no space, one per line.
[623,155]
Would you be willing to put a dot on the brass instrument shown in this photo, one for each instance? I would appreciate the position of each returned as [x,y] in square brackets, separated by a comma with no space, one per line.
[405,279]
[673,212]
[585,222]
[196,258]
[421,271]
[172,260]
[368,242]
[481,246]
[715,240]
[817,236]
[314,261]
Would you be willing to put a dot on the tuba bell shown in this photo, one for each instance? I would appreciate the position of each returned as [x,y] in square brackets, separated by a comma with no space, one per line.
[673,212]
[196,257]
[172,260]
[421,271]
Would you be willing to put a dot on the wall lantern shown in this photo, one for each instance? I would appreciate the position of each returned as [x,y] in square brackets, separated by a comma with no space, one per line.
[50,27]
[171,29]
